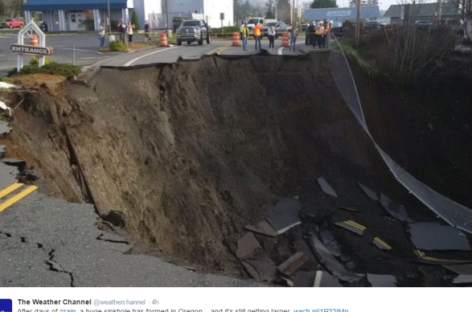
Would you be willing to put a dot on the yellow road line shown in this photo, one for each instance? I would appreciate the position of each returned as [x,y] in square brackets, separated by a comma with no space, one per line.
[356,225]
[381,242]
[423,256]
[10,189]
[17,197]
[219,50]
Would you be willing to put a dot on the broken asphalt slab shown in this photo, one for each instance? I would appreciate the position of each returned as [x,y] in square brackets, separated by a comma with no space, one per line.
[247,245]
[352,226]
[376,280]
[397,211]
[324,279]
[284,215]
[263,228]
[368,192]
[435,236]
[260,267]
[292,264]
[325,187]
[464,273]
[330,263]
[330,242]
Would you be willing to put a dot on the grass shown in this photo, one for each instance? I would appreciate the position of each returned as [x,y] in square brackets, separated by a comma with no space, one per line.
[36,79]
[354,56]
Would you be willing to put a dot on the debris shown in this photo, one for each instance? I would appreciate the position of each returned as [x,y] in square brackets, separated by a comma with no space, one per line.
[329,241]
[464,273]
[371,194]
[2,151]
[288,281]
[325,187]
[292,264]
[263,228]
[324,279]
[352,226]
[260,267]
[4,129]
[6,85]
[14,162]
[304,279]
[435,236]
[247,245]
[348,209]
[380,244]
[376,280]
[397,211]
[327,259]
[285,215]
[6,108]
[430,260]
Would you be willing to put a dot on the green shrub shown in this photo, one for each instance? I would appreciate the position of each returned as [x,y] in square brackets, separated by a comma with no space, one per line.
[117,46]
[135,21]
[53,68]
[35,61]
[6,79]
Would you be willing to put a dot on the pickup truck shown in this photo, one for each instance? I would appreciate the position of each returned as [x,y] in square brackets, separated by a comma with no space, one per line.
[12,23]
[193,30]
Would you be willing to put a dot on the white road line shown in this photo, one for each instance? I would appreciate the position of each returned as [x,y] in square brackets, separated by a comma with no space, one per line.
[79,50]
[146,55]
[280,51]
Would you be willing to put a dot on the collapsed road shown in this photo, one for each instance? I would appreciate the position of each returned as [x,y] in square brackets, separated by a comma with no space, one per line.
[248,167]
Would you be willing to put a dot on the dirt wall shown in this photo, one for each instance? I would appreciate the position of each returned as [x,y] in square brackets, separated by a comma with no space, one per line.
[192,152]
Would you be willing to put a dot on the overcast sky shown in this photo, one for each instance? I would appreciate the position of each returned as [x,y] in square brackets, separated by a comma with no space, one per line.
[384,4]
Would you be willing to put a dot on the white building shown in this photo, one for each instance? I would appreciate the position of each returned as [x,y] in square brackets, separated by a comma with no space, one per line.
[82,15]
[211,10]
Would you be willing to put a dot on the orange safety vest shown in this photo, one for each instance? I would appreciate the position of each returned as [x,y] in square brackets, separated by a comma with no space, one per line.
[257,30]
[319,30]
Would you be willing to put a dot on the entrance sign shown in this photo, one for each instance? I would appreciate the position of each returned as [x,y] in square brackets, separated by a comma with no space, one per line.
[33,33]
[34,50]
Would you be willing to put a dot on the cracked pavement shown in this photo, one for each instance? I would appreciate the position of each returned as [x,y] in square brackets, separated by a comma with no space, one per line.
[47,242]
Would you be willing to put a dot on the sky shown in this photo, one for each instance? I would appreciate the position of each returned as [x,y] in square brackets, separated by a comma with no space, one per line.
[384,4]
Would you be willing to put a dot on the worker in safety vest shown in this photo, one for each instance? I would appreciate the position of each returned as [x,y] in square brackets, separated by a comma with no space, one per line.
[244,35]
[257,35]
[319,30]
[327,34]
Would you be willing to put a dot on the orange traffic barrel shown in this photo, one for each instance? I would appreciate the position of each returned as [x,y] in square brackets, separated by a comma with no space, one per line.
[164,42]
[34,40]
[285,40]
[236,39]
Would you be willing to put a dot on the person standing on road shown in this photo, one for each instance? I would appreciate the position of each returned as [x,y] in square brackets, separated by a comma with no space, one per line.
[101,35]
[257,35]
[244,35]
[311,33]
[293,38]
[327,34]
[147,29]
[272,34]
[318,35]
[122,27]
[129,31]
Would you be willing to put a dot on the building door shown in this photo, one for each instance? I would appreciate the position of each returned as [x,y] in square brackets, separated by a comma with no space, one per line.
[75,20]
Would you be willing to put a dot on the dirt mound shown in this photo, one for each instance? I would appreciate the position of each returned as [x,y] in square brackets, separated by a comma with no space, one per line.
[192,152]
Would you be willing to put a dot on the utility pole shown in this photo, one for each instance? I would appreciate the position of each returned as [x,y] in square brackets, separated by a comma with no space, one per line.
[439,11]
[291,12]
[358,23]
[109,18]
[167,11]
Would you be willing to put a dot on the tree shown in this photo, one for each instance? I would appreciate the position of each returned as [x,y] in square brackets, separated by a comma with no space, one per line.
[318,4]
[270,9]
[353,3]
[135,21]
[283,10]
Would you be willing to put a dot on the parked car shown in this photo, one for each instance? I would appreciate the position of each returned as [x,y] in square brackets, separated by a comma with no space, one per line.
[280,28]
[423,23]
[193,30]
[372,25]
[305,26]
[12,23]
[337,29]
